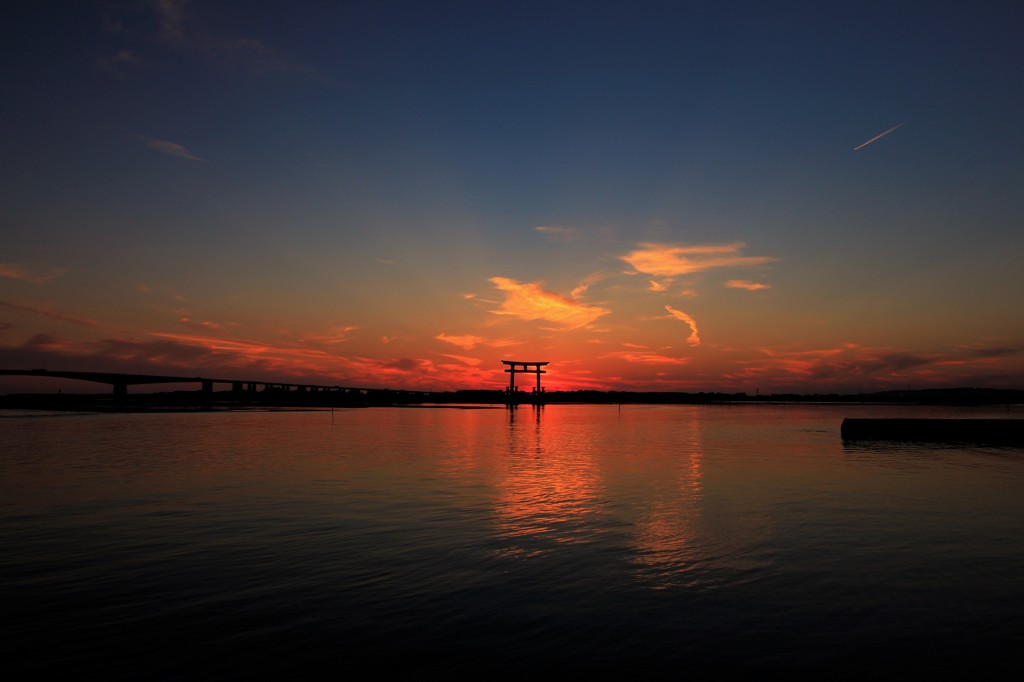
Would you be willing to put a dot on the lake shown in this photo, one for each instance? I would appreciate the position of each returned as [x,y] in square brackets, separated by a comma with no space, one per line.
[633,540]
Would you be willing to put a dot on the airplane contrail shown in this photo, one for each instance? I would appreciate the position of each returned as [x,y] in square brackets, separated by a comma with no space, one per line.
[878,137]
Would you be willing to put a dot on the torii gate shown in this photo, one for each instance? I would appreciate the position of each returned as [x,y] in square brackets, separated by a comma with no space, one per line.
[517,367]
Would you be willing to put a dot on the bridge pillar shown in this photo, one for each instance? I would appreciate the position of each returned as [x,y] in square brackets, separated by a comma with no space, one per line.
[120,390]
[207,386]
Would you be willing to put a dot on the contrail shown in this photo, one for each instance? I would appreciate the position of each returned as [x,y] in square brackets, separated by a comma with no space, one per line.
[878,137]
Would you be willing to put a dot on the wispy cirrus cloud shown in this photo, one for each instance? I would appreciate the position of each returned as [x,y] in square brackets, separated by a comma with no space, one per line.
[694,338]
[179,29]
[52,313]
[217,343]
[466,360]
[170,148]
[529,301]
[167,291]
[502,343]
[669,260]
[746,284]
[647,358]
[31,275]
[205,325]
[588,282]
[558,233]
[339,333]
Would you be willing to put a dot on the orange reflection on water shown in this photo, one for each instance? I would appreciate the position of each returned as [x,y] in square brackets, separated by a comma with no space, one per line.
[548,489]
[668,537]
[665,470]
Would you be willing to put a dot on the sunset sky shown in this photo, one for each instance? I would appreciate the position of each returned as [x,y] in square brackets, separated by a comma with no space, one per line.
[691,196]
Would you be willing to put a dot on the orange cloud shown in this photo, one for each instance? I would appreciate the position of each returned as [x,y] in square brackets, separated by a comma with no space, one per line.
[694,338]
[531,302]
[466,341]
[666,260]
[659,286]
[745,284]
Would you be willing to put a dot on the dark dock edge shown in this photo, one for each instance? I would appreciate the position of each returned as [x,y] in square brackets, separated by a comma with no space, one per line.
[981,431]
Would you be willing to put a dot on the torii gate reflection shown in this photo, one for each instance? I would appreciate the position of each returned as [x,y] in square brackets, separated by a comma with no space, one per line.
[517,367]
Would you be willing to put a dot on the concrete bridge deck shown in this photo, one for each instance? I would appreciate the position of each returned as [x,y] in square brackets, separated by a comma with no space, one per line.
[239,388]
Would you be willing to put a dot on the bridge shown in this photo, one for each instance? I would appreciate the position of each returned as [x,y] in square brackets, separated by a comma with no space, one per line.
[239,389]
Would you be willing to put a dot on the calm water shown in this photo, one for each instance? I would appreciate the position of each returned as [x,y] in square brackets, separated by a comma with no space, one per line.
[646,539]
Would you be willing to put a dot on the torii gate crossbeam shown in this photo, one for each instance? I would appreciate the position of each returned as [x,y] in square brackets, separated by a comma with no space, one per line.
[517,367]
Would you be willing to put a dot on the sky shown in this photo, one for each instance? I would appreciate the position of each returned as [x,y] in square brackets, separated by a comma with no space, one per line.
[758,197]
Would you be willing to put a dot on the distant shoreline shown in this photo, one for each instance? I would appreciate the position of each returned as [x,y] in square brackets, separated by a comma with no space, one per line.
[193,401]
